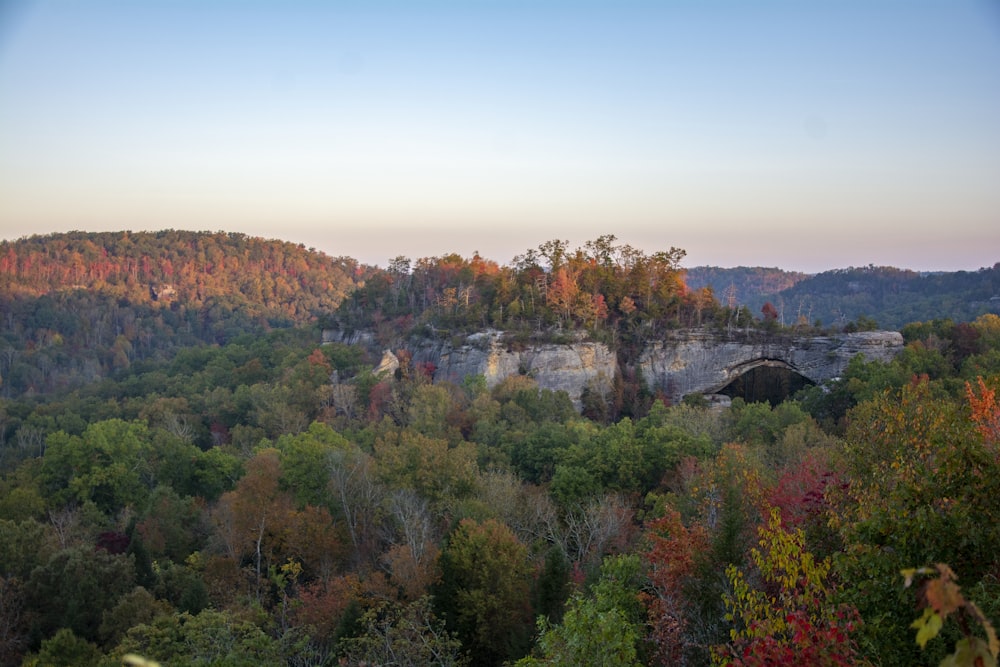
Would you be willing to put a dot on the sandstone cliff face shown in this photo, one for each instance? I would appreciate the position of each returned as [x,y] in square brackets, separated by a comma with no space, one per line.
[703,362]
[571,368]
[684,363]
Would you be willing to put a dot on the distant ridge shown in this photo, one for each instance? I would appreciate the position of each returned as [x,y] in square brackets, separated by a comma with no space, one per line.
[197,265]
[891,297]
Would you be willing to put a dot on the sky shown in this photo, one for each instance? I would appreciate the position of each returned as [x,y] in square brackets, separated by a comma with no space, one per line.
[807,135]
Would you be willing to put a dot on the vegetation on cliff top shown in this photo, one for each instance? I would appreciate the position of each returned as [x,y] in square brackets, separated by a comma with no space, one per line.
[607,289]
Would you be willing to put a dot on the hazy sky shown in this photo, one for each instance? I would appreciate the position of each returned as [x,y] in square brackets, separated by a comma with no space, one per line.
[803,134]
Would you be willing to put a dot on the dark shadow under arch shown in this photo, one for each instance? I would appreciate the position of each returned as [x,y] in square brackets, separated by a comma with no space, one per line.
[770,380]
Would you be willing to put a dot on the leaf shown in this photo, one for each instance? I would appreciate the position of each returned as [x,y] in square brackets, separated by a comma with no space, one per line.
[970,652]
[991,634]
[927,626]
[943,595]
[910,573]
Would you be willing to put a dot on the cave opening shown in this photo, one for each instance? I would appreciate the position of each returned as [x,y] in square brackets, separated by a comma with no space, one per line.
[766,383]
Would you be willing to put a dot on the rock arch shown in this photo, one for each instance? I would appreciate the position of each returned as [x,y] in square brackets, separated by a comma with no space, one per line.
[743,368]
[704,362]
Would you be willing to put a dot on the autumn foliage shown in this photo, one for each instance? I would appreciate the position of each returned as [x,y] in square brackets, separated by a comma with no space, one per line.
[270,499]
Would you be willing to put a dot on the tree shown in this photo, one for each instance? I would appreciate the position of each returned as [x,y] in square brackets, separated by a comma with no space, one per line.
[134,608]
[74,587]
[671,559]
[210,637]
[249,519]
[785,614]
[110,464]
[358,494]
[304,462]
[429,466]
[171,526]
[923,486]
[65,649]
[13,621]
[769,312]
[484,591]
[412,557]
[597,629]
[985,412]
[408,636]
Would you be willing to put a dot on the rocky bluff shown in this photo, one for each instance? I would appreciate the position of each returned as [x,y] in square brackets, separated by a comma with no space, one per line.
[684,362]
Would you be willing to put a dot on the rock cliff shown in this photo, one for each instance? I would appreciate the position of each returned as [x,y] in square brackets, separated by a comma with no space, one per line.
[693,361]
[703,362]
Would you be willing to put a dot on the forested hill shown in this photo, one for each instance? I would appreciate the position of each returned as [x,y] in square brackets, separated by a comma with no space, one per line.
[888,296]
[743,285]
[79,305]
[894,297]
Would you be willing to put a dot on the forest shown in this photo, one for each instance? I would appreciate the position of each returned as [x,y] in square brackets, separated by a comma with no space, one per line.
[80,306]
[889,296]
[238,493]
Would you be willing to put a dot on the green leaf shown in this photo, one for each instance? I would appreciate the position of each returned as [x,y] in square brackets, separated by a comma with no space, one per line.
[927,626]
[970,652]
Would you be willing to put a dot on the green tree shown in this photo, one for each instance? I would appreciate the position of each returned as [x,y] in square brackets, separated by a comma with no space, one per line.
[74,587]
[304,458]
[23,545]
[408,636]
[171,526]
[211,637]
[429,466]
[924,487]
[134,608]
[484,592]
[602,628]
[65,649]
[110,465]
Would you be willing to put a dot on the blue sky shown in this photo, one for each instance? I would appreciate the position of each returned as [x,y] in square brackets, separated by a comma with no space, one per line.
[808,135]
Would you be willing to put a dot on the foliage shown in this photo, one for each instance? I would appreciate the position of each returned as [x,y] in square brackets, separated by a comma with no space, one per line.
[672,557]
[789,617]
[940,598]
[406,636]
[602,629]
[746,285]
[208,638]
[923,487]
[840,297]
[599,286]
[266,498]
[65,649]
[74,587]
[84,305]
[484,591]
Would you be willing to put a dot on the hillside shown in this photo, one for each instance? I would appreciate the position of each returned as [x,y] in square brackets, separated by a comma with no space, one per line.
[894,297]
[888,296]
[262,498]
[81,305]
[742,285]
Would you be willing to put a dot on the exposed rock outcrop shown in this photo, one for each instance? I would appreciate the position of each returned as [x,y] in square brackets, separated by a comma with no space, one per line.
[692,361]
[703,362]
[569,367]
